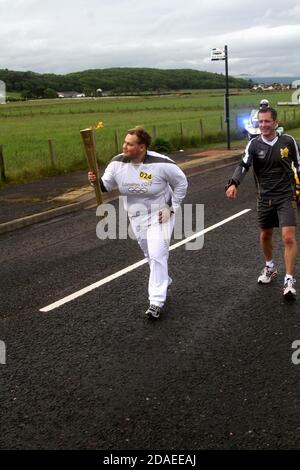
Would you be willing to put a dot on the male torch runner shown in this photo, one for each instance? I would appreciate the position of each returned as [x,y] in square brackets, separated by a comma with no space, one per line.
[154,187]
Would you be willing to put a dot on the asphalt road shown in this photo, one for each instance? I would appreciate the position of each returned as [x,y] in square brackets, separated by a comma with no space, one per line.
[215,372]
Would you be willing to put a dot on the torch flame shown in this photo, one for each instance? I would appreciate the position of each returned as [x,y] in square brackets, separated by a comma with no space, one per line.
[99,125]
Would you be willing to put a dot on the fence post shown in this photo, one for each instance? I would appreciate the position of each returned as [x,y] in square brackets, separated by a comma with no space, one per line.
[2,168]
[52,153]
[181,129]
[236,123]
[154,133]
[117,141]
[201,129]
[221,123]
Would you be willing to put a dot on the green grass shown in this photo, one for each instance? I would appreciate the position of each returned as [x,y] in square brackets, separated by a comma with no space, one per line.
[200,101]
[25,127]
[13,94]
[295,133]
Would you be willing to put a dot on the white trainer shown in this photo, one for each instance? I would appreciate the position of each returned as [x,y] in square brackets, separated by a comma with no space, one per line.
[267,275]
[289,291]
[153,312]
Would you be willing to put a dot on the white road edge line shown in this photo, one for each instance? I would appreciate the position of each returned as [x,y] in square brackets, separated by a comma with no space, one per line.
[110,278]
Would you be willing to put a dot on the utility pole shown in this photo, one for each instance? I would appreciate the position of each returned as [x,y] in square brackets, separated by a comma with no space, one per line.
[222,54]
[227,99]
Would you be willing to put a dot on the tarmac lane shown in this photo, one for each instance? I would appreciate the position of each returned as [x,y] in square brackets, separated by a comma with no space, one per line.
[215,372]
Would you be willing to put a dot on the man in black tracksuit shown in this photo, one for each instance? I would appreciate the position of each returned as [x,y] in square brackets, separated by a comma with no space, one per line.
[273,158]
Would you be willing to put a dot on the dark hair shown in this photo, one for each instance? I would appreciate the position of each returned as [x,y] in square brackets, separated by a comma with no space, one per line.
[269,110]
[142,135]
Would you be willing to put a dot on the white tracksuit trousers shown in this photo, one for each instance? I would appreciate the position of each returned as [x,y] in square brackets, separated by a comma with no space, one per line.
[154,240]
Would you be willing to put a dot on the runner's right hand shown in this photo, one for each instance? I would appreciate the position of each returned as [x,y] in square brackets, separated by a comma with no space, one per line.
[92,177]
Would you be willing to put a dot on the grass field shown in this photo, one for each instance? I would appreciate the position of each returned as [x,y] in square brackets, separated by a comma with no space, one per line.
[25,127]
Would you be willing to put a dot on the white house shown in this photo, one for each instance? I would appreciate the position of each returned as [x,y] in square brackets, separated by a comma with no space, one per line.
[70,94]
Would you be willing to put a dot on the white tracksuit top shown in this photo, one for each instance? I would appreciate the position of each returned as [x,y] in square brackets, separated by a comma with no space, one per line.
[154,183]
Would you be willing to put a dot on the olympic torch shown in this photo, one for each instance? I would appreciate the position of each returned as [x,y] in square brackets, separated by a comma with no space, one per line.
[89,142]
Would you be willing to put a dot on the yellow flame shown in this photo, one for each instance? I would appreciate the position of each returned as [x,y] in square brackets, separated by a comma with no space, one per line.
[99,125]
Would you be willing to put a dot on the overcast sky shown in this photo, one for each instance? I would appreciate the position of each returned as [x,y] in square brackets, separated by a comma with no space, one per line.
[63,36]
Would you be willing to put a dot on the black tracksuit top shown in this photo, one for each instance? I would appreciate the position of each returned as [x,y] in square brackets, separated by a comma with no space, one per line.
[272,166]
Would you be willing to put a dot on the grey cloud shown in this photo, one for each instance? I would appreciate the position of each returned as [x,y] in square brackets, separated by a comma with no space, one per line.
[67,36]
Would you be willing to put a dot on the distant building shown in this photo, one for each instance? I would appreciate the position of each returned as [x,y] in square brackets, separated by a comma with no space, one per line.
[271,87]
[70,94]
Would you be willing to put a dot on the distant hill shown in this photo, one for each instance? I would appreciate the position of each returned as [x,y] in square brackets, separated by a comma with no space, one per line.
[114,80]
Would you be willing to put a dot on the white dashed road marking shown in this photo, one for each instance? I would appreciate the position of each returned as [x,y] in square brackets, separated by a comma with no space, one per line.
[134,266]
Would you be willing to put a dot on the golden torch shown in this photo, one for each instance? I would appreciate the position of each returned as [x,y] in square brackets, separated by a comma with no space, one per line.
[89,142]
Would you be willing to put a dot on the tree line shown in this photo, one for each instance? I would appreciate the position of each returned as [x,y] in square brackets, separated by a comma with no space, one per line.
[114,81]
